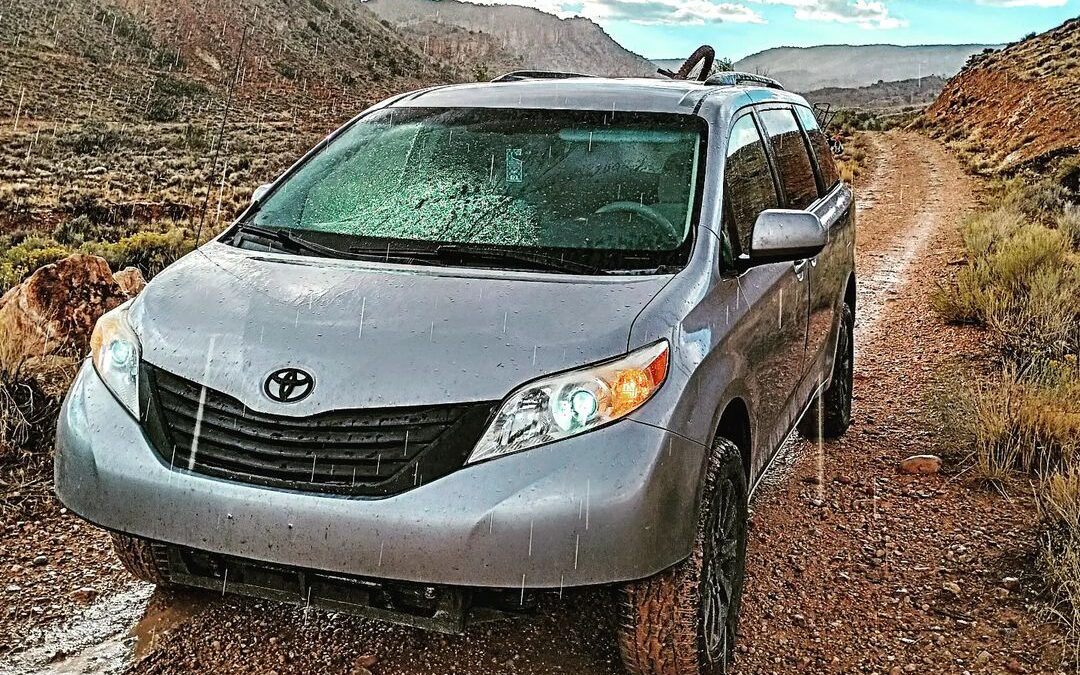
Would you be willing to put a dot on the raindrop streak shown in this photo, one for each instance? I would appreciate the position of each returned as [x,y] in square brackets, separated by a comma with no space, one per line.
[202,405]
[363,306]
[224,582]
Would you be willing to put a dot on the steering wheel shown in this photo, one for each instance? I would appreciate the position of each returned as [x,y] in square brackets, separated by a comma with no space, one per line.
[646,212]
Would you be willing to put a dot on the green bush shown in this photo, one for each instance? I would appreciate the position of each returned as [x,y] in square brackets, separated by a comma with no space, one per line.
[151,252]
[19,261]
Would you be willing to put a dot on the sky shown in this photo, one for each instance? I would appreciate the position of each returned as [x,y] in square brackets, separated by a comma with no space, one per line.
[674,28]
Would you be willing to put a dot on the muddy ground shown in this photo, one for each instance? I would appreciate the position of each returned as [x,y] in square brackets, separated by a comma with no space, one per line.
[852,567]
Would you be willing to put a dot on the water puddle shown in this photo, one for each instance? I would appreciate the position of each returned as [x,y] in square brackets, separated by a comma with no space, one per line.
[105,637]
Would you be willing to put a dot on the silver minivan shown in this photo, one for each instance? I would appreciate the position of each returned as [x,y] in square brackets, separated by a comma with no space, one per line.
[486,342]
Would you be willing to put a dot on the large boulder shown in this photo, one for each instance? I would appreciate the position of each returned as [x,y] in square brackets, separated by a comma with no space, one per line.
[53,311]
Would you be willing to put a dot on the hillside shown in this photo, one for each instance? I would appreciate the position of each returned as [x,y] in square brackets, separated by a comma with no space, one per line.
[881,95]
[1019,105]
[525,37]
[809,68]
[110,109]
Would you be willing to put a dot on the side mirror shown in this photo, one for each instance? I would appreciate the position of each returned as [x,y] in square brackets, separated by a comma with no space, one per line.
[785,236]
[260,192]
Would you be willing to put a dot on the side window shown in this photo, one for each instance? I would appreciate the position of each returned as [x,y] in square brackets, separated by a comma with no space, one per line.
[792,160]
[826,166]
[748,182]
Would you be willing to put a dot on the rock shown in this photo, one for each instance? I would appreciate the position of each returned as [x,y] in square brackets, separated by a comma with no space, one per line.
[54,310]
[1011,583]
[39,561]
[367,660]
[130,280]
[983,658]
[951,587]
[84,594]
[921,464]
[1014,666]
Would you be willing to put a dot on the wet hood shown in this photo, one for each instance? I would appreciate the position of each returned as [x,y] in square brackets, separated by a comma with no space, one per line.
[375,335]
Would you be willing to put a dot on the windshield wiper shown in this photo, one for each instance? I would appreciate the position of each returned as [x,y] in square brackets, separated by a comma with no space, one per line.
[456,253]
[297,244]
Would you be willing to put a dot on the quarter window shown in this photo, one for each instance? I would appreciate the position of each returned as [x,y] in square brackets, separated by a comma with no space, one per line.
[792,160]
[748,183]
[826,166]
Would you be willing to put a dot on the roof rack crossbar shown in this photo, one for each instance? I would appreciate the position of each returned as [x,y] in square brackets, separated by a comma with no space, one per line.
[518,75]
[733,79]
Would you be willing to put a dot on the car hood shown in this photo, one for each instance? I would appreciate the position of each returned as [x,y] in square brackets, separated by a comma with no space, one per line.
[373,334]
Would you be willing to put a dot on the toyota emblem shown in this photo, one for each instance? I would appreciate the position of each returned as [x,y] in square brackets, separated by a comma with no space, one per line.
[288,385]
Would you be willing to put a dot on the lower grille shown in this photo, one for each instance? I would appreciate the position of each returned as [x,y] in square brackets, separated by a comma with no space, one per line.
[374,452]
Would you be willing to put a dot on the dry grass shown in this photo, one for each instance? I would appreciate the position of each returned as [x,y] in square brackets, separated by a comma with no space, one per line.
[1021,284]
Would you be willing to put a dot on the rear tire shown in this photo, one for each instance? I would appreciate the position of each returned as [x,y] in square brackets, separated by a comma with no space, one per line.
[684,620]
[831,416]
[137,556]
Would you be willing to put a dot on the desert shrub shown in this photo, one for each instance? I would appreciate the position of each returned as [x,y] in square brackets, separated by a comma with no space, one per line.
[1068,222]
[20,260]
[1021,280]
[1023,421]
[151,252]
[81,229]
[1040,200]
[92,141]
[1059,505]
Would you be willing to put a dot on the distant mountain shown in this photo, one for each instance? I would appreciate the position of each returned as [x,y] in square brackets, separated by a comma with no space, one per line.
[808,68]
[881,95]
[1018,106]
[510,36]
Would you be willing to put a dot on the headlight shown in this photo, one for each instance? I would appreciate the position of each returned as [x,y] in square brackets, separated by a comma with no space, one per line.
[115,350]
[572,403]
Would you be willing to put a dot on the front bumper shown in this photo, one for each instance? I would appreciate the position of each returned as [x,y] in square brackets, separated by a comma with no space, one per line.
[608,506]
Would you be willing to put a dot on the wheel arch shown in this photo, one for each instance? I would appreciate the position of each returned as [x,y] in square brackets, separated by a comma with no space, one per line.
[850,293]
[734,425]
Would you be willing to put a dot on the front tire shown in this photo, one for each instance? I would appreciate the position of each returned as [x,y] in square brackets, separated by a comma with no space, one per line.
[137,557]
[684,620]
[830,416]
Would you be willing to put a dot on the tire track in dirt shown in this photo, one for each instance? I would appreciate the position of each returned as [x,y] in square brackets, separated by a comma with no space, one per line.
[853,584]
[848,560]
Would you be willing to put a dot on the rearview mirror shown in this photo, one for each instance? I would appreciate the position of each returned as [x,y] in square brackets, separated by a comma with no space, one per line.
[781,235]
[260,192]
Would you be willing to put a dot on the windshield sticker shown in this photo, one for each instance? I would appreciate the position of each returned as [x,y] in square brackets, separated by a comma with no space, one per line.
[515,165]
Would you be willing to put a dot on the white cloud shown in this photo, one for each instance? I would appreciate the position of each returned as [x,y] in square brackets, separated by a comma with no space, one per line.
[648,12]
[869,14]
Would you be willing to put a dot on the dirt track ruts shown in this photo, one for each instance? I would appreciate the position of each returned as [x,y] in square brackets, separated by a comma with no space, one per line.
[847,559]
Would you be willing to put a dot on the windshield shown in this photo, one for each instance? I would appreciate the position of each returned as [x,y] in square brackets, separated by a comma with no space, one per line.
[611,190]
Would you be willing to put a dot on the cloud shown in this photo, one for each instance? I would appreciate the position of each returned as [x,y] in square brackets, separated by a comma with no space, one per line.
[647,12]
[869,14]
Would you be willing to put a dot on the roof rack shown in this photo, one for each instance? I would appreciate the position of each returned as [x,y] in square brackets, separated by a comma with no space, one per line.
[734,79]
[518,75]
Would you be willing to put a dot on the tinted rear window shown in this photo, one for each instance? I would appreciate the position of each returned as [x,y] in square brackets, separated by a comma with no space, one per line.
[748,182]
[826,166]
[792,159]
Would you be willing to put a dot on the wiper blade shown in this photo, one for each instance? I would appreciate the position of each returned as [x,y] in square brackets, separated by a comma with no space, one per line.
[458,253]
[296,243]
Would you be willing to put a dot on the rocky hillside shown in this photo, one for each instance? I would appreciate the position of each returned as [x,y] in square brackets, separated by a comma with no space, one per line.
[810,68]
[524,37]
[1017,106]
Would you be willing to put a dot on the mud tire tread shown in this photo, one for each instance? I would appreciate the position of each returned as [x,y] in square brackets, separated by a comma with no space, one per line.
[658,630]
[137,557]
[836,419]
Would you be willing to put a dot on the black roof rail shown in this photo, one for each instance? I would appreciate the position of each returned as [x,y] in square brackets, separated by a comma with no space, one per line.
[733,79]
[519,75]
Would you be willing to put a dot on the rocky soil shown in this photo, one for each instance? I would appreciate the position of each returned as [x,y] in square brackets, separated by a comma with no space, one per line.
[853,566]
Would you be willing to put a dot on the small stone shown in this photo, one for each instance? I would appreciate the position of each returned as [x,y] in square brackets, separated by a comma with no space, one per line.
[983,658]
[951,587]
[39,561]
[84,594]
[367,660]
[1011,583]
[1014,666]
[921,464]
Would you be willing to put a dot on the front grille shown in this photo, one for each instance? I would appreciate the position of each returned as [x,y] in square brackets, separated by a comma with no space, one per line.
[376,451]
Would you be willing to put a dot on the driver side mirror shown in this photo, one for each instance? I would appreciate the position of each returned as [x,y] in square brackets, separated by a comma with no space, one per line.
[260,192]
[781,235]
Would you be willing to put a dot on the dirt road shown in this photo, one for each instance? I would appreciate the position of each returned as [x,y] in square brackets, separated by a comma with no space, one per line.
[851,566]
